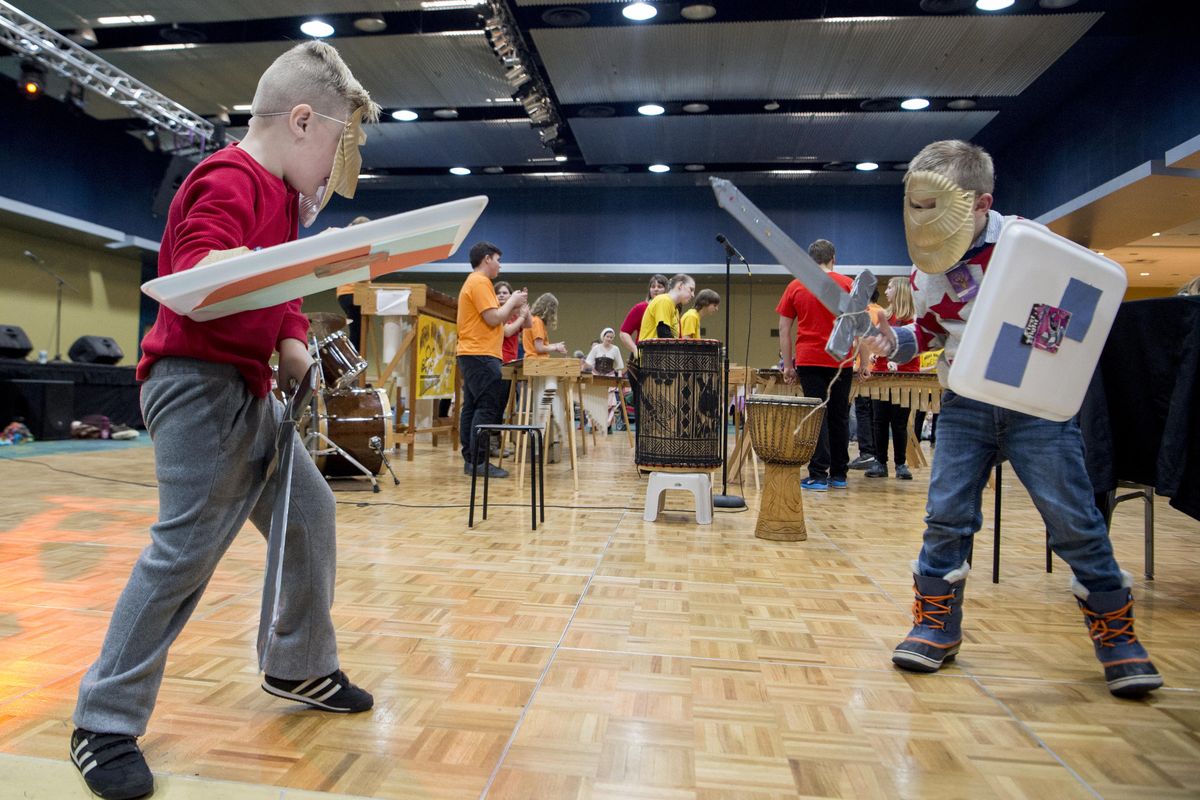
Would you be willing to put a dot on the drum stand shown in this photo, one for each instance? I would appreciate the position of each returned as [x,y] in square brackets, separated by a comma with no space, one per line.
[318,444]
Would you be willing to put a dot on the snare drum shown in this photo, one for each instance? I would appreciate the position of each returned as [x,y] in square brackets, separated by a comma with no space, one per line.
[340,361]
[679,417]
[351,418]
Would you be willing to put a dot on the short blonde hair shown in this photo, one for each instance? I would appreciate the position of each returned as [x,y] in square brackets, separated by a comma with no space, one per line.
[968,165]
[313,73]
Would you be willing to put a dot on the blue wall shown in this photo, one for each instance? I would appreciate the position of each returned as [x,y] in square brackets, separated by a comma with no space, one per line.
[1132,111]
[77,165]
[658,226]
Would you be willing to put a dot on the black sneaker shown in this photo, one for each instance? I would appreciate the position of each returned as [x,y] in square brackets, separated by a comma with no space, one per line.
[861,462]
[877,470]
[112,764]
[334,692]
[491,469]
[903,472]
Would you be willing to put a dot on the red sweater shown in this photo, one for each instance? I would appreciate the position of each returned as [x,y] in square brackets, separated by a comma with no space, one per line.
[229,200]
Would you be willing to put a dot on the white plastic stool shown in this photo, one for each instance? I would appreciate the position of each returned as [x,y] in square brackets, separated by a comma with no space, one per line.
[698,483]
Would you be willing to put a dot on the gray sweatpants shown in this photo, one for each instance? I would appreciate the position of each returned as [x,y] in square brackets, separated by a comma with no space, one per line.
[213,441]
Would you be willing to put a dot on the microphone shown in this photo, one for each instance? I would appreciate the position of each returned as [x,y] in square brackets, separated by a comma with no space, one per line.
[732,251]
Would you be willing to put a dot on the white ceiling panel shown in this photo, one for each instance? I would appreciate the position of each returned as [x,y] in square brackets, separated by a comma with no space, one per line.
[449,144]
[767,138]
[73,13]
[897,57]
[420,71]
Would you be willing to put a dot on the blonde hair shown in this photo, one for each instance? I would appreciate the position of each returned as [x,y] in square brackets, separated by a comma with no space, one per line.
[313,73]
[545,308]
[968,165]
[902,308]
[1191,287]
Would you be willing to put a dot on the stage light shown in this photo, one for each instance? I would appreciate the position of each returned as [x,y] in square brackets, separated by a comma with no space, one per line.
[33,79]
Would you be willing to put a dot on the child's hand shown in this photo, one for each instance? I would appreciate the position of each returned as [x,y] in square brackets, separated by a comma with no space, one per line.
[215,256]
[561,347]
[881,344]
[294,361]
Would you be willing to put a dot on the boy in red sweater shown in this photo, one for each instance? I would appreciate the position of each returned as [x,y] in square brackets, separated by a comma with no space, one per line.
[207,405]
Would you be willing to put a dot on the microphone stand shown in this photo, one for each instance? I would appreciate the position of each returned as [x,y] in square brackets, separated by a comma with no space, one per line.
[61,281]
[724,499]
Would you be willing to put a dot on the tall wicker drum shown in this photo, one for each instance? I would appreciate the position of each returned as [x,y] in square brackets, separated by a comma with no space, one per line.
[784,433]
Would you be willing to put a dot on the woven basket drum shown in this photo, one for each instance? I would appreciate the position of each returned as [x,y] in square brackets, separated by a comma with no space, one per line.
[784,433]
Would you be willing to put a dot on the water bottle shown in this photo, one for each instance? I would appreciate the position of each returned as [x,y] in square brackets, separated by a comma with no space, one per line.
[43,357]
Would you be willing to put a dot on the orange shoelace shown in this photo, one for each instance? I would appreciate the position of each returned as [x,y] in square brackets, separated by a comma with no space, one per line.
[933,617]
[1103,628]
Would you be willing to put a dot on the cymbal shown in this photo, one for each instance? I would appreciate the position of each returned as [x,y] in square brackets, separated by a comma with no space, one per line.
[323,323]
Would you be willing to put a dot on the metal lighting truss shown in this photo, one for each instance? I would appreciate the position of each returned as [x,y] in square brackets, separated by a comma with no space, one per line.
[531,92]
[26,36]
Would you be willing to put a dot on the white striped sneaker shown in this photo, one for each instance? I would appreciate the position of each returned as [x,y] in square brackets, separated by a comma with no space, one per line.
[112,764]
[333,692]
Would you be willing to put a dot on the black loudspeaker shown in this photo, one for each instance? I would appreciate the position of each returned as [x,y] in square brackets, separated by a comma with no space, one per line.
[46,406]
[177,170]
[13,342]
[95,350]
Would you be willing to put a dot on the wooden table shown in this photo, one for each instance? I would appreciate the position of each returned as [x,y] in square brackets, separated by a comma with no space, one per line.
[422,301]
[916,391]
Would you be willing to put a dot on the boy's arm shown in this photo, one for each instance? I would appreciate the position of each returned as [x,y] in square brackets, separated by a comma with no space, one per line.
[217,215]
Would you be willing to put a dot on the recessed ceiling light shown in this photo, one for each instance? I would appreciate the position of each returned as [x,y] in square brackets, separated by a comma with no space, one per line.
[404,115]
[651,110]
[459,171]
[493,170]
[696,108]
[560,158]
[993,5]
[698,11]
[446,113]
[316,28]
[447,5]
[243,107]
[962,104]
[366,176]
[370,24]
[1144,274]
[694,167]
[915,104]
[639,12]
[866,166]
[659,168]
[1156,233]
[771,106]
[130,19]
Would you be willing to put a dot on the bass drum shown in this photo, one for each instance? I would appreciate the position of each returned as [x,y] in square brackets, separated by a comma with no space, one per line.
[351,418]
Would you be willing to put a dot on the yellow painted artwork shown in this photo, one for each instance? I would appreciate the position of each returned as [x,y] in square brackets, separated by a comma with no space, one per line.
[436,342]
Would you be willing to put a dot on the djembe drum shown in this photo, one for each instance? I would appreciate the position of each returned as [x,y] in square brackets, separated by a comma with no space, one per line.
[784,433]
[679,411]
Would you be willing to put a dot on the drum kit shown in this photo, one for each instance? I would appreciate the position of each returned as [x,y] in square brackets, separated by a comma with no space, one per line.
[347,429]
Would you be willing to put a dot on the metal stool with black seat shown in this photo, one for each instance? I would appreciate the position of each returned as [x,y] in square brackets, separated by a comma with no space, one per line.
[537,488]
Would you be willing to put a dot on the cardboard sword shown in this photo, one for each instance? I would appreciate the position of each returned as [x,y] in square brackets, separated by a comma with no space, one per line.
[849,310]
[285,448]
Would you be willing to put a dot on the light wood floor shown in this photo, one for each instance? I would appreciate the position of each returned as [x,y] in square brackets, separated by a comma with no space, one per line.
[602,656]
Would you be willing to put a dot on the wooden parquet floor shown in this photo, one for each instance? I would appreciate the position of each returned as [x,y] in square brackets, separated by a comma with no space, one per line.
[602,656]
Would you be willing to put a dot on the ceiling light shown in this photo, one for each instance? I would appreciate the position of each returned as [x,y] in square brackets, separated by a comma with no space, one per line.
[459,33]
[447,5]
[446,113]
[493,170]
[317,29]
[651,110]
[1156,233]
[771,106]
[459,171]
[33,78]
[993,5]
[516,75]
[639,12]
[962,104]
[366,176]
[243,108]
[915,104]
[658,168]
[84,37]
[131,19]
[1144,274]
[694,167]
[698,11]
[696,108]
[404,115]
[371,24]
[866,166]
[560,158]
[791,172]
[150,48]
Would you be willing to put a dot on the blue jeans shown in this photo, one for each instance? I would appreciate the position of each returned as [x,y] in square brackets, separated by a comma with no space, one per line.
[1047,457]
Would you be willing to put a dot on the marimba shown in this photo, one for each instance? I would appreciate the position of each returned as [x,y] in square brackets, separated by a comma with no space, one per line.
[916,391]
